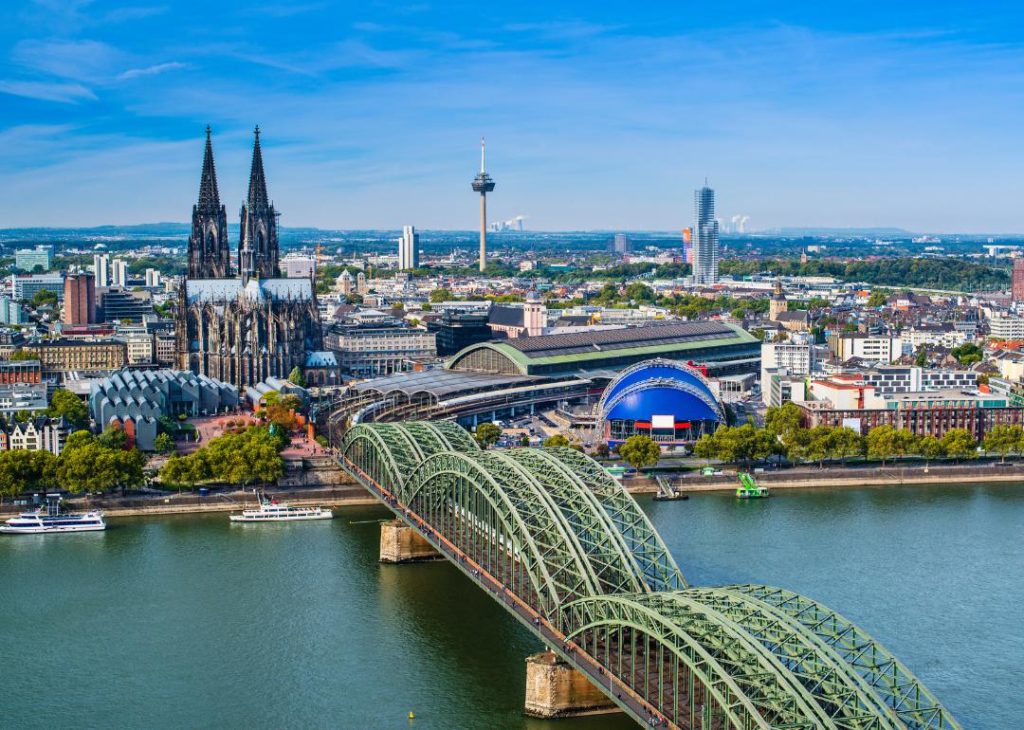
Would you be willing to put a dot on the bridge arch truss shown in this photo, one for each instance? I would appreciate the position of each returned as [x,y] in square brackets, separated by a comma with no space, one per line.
[561,536]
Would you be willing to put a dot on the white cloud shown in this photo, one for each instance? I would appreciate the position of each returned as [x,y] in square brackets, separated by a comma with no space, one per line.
[134,73]
[85,60]
[60,92]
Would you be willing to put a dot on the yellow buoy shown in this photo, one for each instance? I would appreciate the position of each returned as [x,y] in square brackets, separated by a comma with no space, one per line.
[412,715]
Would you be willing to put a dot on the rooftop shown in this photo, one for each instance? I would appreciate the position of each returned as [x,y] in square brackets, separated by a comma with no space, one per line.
[438,383]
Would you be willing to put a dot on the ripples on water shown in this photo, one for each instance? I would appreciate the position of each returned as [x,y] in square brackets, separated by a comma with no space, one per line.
[191,622]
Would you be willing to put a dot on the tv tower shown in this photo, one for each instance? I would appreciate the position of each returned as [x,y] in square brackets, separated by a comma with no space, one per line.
[483,184]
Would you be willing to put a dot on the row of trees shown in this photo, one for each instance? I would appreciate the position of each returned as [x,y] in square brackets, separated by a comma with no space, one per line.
[88,463]
[783,435]
[746,444]
[249,457]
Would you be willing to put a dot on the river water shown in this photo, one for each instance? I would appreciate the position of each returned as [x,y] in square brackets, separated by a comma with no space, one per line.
[190,622]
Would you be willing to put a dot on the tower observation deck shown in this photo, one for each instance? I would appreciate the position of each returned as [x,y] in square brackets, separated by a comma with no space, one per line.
[483,184]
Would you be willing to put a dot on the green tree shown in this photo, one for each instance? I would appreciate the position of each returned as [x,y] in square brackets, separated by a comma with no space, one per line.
[77,439]
[968,354]
[819,444]
[441,295]
[113,437]
[882,443]
[958,443]
[639,293]
[1003,439]
[185,470]
[601,450]
[295,377]
[878,298]
[43,297]
[70,406]
[86,469]
[22,470]
[846,443]
[558,440]
[783,420]
[487,434]
[163,443]
[704,448]
[640,451]
[930,448]
[922,357]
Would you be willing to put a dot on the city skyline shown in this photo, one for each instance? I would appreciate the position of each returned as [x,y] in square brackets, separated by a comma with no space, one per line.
[893,117]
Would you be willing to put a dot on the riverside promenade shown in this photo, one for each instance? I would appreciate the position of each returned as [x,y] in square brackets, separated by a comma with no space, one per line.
[838,476]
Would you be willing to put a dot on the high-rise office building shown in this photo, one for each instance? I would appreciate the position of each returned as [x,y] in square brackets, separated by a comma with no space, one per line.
[705,233]
[27,259]
[1017,279]
[11,312]
[119,273]
[79,299]
[409,248]
[101,269]
[153,278]
[622,244]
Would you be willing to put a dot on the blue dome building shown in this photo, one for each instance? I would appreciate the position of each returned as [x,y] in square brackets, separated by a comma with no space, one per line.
[667,400]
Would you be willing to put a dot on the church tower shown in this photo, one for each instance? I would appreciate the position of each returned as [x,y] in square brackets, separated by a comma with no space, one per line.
[257,248]
[778,303]
[209,251]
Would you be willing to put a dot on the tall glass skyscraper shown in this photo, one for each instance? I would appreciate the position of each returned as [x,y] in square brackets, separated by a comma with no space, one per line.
[705,237]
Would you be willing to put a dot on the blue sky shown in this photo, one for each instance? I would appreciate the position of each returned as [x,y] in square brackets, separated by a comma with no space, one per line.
[598,115]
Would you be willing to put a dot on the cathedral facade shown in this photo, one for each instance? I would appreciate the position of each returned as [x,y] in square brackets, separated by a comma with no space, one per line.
[247,327]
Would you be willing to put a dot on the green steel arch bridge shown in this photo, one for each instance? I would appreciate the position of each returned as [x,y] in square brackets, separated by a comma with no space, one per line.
[562,546]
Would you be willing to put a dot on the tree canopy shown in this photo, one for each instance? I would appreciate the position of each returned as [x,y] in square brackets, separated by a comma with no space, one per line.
[70,406]
[487,434]
[640,451]
[250,457]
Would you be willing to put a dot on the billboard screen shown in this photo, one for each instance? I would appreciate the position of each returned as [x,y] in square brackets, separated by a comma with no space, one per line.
[666,422]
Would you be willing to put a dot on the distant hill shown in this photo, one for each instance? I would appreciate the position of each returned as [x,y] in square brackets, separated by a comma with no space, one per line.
[867,232]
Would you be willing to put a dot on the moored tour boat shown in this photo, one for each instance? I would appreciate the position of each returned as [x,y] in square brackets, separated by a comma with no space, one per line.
[49,519]
[270,510]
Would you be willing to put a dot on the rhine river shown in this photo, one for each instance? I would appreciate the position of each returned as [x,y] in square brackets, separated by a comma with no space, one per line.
[189,622]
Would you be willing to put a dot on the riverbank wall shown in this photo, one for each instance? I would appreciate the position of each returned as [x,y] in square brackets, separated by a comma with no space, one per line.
[830,478]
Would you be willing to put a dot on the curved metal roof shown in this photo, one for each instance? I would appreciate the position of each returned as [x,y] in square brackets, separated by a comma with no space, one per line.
[660,386]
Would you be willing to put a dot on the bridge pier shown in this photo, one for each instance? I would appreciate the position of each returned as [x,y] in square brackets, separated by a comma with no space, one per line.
[555,689]
[399,543]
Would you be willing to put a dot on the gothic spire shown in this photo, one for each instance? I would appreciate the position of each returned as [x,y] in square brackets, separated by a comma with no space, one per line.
[209,197]
[257,179]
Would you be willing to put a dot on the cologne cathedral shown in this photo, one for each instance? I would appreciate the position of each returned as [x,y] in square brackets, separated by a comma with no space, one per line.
[247,327]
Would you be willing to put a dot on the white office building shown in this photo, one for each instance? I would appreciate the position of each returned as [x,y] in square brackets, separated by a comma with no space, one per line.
[153,279]
[101,269]
[1006,327]
[409,248]
[792,357]
[119,273]
[875,348]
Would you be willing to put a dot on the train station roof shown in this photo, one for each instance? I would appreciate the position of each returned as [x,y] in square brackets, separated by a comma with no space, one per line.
[590,350]
[438,383]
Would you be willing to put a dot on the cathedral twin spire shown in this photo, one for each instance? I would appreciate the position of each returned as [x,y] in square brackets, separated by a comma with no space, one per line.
[209,254]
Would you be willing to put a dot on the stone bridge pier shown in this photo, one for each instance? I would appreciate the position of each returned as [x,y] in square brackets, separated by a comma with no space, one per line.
[555,689]
[399,543]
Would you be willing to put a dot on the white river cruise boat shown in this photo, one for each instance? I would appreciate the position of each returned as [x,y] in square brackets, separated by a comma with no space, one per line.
[270,510]
[50,519]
